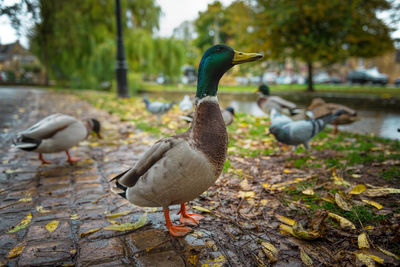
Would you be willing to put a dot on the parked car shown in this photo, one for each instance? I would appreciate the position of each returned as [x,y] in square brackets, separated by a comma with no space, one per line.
[363,76]
[397,82]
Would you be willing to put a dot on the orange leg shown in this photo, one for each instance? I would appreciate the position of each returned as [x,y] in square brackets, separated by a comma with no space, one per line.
[335,129]
[189,218]
[71,159]
[43,160]
[175,230]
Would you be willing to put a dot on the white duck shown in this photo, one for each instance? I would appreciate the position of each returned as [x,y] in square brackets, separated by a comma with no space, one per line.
[179,168]
[186,104]
[55,133]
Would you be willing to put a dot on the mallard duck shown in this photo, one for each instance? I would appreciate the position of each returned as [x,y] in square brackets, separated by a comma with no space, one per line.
[320,108]
[55,133]
[266,102]
[227,114]
[186,104]
[157,108]
[299,132]
[179,168]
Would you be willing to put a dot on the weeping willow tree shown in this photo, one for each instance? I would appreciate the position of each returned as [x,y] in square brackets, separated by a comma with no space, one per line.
[75,41]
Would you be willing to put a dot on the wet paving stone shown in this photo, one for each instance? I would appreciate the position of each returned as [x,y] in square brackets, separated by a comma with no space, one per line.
[78,196]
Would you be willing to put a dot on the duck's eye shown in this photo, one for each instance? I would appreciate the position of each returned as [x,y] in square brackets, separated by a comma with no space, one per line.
[219,49]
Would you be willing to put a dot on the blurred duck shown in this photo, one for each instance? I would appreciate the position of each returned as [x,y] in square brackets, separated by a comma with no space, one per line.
[266,102]
[157,108]
[228,115]
[186,104]
[55,133]
[320,108]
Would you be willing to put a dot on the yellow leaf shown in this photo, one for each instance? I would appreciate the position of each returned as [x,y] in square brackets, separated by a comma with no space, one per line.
[328,199]
[128,226]
[270,250]
[358,189]
[300,232]
[13,171]
[91,231]
[264,201]
[389,253]
[376,258]
[369,227]
[285,220]
[363,240]
[249,194]
[356,175]
[51,226]
[40,209]
[373,203]
[287,171]
[201,209]
[283,184]
[305,258]
[286,229]
[344,223]
[379,192]
[365,259]
[74,216]
[22,224]
[217,262]
[15,251]
[26,199]
[118,214]
[341,203]
[339,180]
[308,191]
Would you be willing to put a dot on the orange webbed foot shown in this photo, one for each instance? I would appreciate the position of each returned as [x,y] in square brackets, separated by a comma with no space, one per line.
[178,230]
[189,218]
[73,159]
[43,160]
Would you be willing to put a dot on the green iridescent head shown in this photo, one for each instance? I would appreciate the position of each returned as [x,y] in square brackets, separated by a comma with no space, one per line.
[217,60]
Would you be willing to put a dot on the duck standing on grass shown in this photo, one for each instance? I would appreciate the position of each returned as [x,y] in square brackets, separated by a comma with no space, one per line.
[299,132]
[55,133]
[320,108]
[179,168]
[266,102]
[157,108]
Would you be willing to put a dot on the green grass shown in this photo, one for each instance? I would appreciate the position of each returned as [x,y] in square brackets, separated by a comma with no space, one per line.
[341,88]
[391,174]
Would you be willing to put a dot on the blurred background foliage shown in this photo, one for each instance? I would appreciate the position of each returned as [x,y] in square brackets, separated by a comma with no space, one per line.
[75,40]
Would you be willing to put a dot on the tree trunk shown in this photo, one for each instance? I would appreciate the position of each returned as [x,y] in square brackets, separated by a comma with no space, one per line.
[310,87]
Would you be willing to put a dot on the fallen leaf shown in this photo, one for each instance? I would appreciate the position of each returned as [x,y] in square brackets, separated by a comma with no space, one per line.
[243,194]
[40,209]
[389,253]
[344,223]
[25,199]
[373,203]
[118,214]
[363,240]
[51,226]
[287,171]
[356,175]
[305,258]
[74,216]
[341,203]
[379,192]
[365,259]
[22,224]
[201,209]
[14,171]
[245,185]
[128,226]
[15,251]
[285,220]
[308,191]
[270,250]
[217,262]
[286,229]
[339,180]
[91,231]
[358,189]
[376,258]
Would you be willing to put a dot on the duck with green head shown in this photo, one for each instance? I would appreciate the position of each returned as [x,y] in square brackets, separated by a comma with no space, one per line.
[179,168]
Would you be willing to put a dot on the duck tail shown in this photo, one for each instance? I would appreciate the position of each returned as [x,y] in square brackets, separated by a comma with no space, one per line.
[330,117]
[123,188]
[119,188]
[26,143]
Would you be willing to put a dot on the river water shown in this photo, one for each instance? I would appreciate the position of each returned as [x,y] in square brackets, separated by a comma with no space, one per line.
[379,122]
